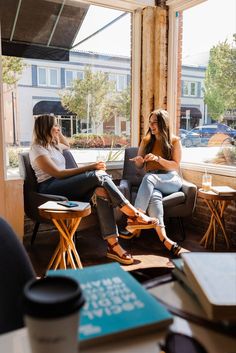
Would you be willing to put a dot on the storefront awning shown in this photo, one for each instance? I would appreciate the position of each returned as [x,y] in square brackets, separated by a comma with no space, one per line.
[50,107]
[194,112]
[42,29]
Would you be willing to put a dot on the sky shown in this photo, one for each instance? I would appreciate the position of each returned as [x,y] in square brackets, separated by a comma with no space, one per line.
[113,40]
[204,26]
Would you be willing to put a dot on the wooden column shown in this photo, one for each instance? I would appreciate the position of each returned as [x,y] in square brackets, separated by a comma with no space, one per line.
[11,191]
[154,63]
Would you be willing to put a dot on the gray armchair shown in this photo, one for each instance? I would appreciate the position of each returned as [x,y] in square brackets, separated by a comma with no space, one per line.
[177,205]
[32,198]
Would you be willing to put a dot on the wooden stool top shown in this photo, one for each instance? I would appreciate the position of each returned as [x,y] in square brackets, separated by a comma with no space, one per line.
[52,214]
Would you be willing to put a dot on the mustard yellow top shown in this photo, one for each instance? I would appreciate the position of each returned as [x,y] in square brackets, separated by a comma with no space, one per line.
[153,165]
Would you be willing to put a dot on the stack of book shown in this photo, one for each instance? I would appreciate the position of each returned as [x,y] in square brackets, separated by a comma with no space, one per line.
[211,279]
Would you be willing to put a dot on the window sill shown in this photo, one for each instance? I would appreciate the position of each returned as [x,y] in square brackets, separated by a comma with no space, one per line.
[211,168]
[112,165]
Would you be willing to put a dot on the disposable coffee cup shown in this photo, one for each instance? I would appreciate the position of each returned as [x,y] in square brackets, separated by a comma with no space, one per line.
[51,314]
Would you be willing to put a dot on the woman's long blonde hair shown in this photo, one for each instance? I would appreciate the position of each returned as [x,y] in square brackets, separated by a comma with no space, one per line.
[42,130]
[164,131]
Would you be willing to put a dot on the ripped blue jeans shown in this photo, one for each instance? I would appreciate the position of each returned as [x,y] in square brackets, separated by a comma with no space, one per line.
[154,185]
[81,188]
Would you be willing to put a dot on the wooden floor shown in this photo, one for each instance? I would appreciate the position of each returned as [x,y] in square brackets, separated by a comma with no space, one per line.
[92,248]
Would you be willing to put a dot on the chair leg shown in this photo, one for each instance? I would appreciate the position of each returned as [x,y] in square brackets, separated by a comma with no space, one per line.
[36,227]
[181,226]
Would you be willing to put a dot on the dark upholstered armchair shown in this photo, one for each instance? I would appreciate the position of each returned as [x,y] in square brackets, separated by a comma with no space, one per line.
[179,204]
[32,198]
[15,271]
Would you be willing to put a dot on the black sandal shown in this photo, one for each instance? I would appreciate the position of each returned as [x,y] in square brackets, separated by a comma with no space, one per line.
[175,248]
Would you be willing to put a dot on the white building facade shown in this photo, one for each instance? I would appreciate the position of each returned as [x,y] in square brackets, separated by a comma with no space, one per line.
[39,88]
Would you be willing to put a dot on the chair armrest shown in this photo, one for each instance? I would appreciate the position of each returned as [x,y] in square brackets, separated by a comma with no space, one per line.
[125,187]
[39,198]
[190,190]
[49,197]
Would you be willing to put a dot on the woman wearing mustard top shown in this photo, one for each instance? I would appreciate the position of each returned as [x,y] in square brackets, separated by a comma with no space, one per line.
[160,154]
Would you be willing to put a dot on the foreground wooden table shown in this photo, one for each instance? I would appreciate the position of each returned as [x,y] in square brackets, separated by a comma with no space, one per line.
[67,223]
[18,342]
[217,205]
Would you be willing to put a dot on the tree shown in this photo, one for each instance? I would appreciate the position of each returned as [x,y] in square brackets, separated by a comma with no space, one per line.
[87,95]
[220,89]
[12,68]
[117,104]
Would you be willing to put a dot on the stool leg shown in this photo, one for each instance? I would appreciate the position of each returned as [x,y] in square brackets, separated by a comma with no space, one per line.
[54,257]
[68,239]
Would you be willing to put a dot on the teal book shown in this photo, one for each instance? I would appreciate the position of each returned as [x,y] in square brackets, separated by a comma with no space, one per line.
[116,304]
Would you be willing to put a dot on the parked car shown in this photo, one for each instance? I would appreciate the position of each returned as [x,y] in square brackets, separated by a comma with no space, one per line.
[200,135]
[182,133]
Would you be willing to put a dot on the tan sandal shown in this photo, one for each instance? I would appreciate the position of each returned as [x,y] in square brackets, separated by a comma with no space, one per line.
[133,222]
[124,259]
[128,235]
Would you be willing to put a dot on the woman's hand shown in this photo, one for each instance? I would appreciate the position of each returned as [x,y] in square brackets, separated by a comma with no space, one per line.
[100,165]
[137,159]
[62,139]
[150,157]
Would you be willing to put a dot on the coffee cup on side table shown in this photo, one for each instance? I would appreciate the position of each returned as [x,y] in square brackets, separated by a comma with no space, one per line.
[51,314]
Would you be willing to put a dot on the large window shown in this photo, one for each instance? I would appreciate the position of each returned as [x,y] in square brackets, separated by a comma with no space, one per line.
[92,107]
[207,109]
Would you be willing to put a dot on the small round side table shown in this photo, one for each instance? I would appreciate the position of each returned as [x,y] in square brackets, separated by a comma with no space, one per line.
[67,223]
[217,205]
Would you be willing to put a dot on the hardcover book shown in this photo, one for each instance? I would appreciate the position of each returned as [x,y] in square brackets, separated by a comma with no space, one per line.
[212,277]
[181,302]
[180,276]
[223,190]
[116,304]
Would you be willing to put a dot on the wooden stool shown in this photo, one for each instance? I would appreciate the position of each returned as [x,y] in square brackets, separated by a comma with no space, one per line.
[67,223]
[217,205]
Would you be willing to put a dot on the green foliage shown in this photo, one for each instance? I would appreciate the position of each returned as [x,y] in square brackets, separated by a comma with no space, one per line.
[13,157]
[86,141]
[97,141]
[220,89]
[118,104]
[12,68]
[115,155]
[88,94]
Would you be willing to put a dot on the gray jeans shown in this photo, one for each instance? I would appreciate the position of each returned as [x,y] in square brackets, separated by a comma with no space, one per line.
[81,188]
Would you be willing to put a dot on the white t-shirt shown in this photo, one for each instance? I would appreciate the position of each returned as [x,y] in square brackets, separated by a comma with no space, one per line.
[53,153]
